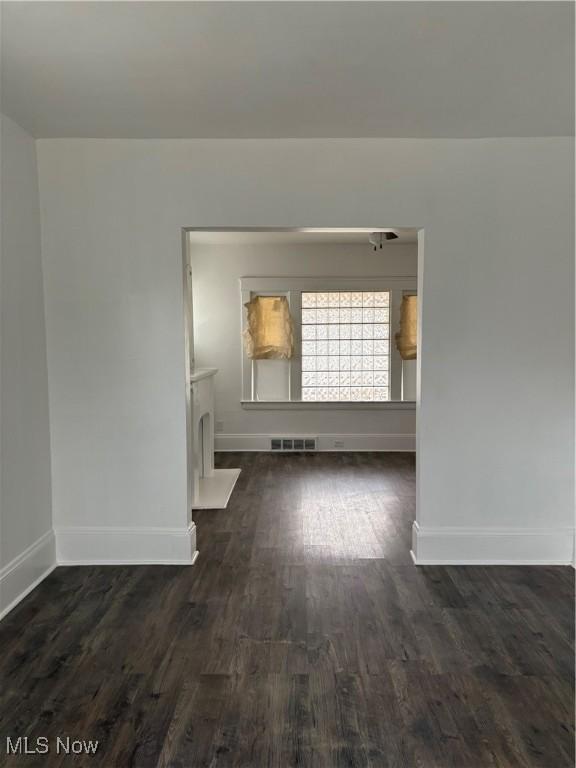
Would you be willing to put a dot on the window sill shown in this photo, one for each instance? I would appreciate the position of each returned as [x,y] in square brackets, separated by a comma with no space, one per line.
[308,405]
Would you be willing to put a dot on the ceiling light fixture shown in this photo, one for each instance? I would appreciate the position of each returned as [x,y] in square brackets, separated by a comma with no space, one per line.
[378,238]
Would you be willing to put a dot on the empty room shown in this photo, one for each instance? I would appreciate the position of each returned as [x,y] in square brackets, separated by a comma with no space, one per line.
[287,384]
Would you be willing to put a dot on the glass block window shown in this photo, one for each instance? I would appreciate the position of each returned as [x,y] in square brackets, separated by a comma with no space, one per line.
[346,345]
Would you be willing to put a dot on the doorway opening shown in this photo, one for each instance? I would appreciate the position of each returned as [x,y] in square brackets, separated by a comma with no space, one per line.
[313,338]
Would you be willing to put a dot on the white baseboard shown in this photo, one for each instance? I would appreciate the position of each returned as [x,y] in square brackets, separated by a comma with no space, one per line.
[491,546]
[126,546]
[93,546]
[326,442]
[20,576]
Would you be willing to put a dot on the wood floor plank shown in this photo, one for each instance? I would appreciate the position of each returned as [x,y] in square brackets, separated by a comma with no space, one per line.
[304,636]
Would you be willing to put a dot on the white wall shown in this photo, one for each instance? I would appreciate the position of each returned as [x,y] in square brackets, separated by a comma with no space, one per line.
[495,428]
[217,270]
[26,539]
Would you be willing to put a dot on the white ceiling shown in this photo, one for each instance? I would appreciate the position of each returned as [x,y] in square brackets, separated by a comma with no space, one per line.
[302,69]
[267,237]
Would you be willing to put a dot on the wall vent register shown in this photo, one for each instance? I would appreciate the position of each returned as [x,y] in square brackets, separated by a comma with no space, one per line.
[293,444]
[346,346]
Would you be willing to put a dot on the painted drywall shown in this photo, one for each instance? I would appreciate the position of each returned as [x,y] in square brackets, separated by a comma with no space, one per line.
[281,69]
[495,429]
[26,541]
[217,270]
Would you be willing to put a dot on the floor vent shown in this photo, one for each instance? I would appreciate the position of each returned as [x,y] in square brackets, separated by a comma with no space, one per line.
[291,444]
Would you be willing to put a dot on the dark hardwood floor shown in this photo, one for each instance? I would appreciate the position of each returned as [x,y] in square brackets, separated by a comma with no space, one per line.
[304,636]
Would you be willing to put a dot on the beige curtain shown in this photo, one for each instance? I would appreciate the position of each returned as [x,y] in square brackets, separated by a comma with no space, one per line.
[270,333]
[406,338]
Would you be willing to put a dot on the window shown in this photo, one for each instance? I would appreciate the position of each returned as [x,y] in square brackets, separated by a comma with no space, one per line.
[345,346]
[345,354]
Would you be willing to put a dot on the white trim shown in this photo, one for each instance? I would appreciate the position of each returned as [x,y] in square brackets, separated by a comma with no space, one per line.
[215,490]
[326,283]
[491,546]
[197,374]
[106,545]
[22,574]
[325,442]
[189,364]
[328,405]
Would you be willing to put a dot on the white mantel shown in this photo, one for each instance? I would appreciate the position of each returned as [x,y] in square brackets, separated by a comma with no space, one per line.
[202,373]
[211,487]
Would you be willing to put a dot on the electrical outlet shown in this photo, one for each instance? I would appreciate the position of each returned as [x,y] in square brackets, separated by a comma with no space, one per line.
[220,426]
